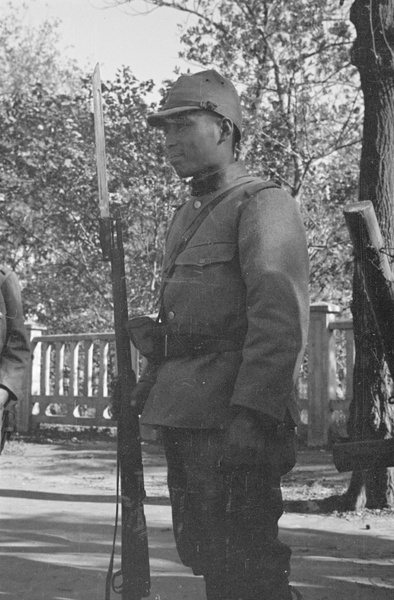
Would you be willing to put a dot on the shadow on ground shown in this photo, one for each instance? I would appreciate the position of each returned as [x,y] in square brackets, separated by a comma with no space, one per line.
[57,507]
[64,555]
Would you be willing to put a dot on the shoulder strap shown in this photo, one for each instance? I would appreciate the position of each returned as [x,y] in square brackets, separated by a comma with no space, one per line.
[259,185]
[251,187]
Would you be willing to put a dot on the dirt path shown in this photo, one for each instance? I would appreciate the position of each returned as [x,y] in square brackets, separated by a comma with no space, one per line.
[57,513]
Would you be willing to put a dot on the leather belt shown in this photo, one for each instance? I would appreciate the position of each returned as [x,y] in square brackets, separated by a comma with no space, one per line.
[184,345]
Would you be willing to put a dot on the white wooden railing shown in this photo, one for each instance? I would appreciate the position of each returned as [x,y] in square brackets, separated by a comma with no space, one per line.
[70,377]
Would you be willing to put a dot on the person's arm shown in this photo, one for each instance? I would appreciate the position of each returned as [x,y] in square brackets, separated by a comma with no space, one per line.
[274,265]
[15,354]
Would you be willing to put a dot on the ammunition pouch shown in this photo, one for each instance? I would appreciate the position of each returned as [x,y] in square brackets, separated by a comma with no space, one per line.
[148,336]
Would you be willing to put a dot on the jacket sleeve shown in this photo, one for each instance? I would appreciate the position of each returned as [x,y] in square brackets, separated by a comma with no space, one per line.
[15,354]
[274,266]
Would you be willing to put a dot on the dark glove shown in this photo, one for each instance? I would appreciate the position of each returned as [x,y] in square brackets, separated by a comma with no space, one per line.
[248,439]
[141,391]
[140,394]
[254,439]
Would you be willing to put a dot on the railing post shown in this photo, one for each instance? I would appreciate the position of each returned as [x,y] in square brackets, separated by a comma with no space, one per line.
[350,350]
[321,371]
[32,381]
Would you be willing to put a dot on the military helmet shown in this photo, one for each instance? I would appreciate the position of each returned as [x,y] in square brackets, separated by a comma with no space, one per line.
[206,90]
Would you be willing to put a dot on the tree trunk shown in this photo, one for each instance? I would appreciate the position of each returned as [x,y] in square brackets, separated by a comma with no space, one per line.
[371,412]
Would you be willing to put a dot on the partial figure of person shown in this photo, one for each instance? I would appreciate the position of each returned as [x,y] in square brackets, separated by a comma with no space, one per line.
[14,350]
[227,348]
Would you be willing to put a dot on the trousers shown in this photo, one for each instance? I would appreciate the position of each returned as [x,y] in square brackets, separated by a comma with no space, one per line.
[226,520]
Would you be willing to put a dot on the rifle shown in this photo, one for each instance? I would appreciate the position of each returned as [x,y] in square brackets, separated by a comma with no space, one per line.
[363,455]
[134,549]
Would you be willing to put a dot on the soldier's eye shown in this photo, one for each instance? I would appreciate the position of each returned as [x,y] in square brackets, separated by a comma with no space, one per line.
[182,123]
[175,125]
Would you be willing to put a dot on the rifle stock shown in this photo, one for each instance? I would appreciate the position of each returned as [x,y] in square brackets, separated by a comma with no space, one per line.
[134,553]
[363,455]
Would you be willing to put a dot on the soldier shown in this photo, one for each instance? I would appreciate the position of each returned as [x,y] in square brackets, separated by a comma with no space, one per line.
[233,326]
[14,350]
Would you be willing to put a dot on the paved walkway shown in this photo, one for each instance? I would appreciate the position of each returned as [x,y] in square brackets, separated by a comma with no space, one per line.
[56,533]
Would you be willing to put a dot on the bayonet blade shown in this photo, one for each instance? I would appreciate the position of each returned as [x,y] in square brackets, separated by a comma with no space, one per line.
[100,144]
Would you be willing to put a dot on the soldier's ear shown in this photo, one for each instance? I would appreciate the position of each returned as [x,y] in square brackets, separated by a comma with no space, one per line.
[227,128]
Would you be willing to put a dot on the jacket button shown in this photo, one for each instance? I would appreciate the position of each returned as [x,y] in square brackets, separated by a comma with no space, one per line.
[171,315]
[197,204]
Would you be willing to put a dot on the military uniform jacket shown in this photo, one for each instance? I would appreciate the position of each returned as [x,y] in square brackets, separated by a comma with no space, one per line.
[14,339]
[243,276]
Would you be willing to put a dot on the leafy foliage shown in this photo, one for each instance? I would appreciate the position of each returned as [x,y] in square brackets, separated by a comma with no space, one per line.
[301,128]
[302,107]
[29,55]
[50,206]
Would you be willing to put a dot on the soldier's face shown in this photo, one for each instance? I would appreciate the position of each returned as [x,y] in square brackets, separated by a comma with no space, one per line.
[192,142]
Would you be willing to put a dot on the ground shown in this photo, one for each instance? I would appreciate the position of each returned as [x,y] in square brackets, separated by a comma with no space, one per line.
[57,510]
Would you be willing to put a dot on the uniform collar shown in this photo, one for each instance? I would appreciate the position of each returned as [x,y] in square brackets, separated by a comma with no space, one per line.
[215,181]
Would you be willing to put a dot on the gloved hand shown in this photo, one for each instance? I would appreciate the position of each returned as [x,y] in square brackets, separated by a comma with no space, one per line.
[249,439]
[140,394]
[141,391]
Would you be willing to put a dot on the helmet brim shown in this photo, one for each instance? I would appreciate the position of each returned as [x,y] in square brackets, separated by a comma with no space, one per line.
[157,119]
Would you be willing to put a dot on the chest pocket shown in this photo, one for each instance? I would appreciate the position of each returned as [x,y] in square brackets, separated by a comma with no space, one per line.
[207,254]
